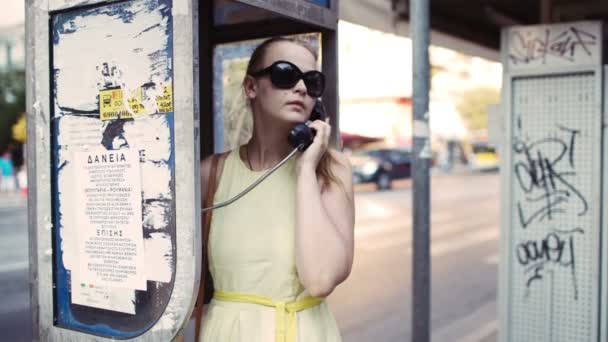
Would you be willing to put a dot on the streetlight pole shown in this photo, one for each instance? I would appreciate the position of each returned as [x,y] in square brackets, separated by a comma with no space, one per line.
[421,263]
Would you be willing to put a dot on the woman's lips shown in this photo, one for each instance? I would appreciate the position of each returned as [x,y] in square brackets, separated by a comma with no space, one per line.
[296,103]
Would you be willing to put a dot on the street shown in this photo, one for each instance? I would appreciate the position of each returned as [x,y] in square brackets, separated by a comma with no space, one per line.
[374,304]
[15,320]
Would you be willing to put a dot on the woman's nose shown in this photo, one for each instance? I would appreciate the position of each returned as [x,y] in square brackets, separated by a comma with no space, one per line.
[300,87]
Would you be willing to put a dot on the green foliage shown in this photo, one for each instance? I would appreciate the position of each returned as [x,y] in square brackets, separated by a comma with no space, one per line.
[12,103]
[19,130]
[473,106]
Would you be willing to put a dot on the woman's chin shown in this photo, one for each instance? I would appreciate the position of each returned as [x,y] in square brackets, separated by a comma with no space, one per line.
[295,117]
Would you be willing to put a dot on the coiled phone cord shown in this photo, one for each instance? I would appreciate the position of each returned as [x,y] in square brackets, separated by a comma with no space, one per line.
[254,184]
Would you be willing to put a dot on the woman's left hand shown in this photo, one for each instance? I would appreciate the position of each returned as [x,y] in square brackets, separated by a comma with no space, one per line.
[311,157]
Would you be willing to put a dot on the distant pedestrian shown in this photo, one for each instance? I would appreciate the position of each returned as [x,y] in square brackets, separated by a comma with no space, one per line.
[22,180]
[7,173]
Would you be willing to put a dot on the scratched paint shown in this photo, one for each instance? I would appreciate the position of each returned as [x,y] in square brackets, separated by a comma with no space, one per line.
[126,45]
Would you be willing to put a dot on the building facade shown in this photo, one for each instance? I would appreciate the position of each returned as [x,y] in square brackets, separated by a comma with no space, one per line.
[12,48]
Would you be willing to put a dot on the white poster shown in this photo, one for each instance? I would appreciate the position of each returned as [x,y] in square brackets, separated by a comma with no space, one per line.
[108,211]
[114,299]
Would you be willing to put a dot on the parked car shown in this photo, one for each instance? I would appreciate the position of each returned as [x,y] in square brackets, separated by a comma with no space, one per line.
[380,166]
[482,157]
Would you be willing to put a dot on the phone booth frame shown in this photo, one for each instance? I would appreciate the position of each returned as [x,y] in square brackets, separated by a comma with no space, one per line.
[192,37]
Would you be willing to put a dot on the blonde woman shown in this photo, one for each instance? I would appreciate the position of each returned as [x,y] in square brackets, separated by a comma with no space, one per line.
[276,253]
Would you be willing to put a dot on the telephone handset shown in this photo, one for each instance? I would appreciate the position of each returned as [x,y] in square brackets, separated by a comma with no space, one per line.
[300,137]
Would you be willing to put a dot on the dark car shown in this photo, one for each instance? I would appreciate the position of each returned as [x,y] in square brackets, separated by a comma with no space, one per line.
[381,166]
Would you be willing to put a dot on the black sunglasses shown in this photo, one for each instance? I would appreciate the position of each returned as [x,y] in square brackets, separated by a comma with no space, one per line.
[286,75]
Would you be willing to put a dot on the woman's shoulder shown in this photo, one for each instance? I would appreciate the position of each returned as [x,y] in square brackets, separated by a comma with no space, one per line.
[341,168]
[207,165]
[341,175]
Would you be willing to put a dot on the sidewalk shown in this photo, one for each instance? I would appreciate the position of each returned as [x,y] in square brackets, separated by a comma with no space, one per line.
[12,200]
[491,338]
[479,326]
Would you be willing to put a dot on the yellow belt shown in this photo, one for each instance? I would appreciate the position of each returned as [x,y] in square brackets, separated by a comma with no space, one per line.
[283,309]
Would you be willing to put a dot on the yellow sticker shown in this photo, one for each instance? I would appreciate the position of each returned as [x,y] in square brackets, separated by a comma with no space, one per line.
[135,102]
[165,102]
[112,106]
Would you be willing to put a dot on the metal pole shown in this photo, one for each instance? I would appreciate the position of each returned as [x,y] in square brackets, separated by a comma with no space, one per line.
[9,56]
[421,266]
[545,11]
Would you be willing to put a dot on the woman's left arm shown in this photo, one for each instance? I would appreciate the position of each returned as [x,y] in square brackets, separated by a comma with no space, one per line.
[325,220]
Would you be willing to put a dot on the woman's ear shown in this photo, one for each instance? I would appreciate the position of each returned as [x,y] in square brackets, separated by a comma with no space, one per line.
[250,86]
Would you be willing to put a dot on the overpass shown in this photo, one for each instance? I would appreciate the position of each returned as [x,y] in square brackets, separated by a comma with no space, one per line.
[471,26]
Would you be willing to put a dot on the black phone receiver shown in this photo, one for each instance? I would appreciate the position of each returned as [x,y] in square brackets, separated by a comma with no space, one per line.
[301,136]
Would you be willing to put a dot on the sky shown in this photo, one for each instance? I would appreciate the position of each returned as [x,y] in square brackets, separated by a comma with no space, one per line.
[12,13]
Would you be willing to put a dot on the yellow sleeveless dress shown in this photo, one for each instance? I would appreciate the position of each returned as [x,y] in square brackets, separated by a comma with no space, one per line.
[252,251]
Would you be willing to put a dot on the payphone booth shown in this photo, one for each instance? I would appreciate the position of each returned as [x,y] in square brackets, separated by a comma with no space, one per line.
[123,99]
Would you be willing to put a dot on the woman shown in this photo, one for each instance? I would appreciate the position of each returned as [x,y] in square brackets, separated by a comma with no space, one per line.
[276,253]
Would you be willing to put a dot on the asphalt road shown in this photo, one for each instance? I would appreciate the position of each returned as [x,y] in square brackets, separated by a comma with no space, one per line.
[15,320]
[374,304]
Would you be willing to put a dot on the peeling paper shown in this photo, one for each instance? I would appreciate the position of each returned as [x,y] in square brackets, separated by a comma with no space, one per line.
[156,215]
[156,97]
[425,152]
[158,178]
[421,129]
[155,174]
[72,131]
[67,217]
[158,257]
[133,50]
[109,298]
[78,131]
[151,133]
[166,323]
[70,64]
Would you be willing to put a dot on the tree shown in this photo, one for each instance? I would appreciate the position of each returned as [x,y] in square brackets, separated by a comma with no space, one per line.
[12,103]
[473,106]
